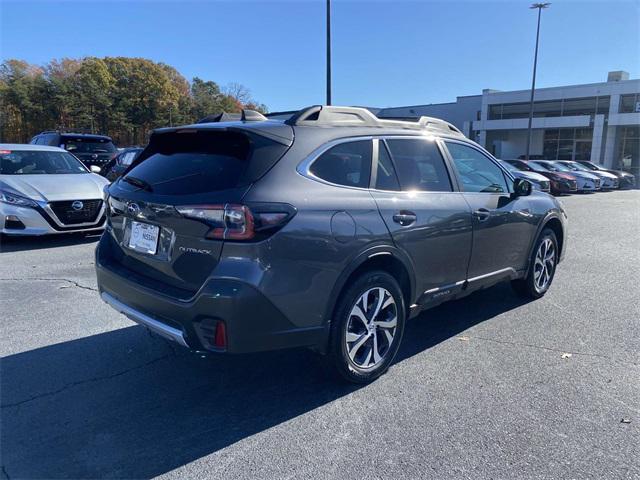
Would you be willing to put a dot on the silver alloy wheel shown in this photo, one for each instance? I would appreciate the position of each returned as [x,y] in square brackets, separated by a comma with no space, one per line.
[544,264]
[371,327]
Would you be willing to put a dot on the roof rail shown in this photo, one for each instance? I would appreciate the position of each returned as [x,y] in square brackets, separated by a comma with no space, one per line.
[244,116]
[355,116]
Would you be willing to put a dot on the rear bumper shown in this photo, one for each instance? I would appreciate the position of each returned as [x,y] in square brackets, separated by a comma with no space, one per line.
[252,322]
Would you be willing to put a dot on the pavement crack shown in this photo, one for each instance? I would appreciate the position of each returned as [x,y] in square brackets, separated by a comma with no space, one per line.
[550,349]
[83,382]
[5,475]
[43,279]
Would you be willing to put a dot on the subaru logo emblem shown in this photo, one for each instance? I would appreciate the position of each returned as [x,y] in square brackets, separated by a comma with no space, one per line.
[133,208]
[94,156]
[77,205]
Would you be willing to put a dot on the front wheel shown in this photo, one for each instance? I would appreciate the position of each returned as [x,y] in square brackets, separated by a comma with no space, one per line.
[544,260]
[367,328]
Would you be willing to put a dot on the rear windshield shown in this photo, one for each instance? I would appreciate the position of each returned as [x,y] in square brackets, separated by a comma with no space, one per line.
[26,162]
[87,145]
[194,162]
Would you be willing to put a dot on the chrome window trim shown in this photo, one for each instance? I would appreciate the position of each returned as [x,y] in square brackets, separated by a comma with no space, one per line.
[304,167]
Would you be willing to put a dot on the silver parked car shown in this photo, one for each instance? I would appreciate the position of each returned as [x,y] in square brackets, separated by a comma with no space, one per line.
[607,180]
[47,190]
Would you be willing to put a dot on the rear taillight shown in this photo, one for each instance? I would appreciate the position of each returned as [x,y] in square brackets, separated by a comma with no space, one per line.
[238,222]
[220,338]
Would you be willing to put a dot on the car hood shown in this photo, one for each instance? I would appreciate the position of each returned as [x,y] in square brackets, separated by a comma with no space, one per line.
[603,174]
[585,175]
[52,188]
[536,177]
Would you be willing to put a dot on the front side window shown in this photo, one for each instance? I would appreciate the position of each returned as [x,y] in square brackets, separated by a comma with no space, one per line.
[420,165]
[25,162]
[347,164]
[477,172]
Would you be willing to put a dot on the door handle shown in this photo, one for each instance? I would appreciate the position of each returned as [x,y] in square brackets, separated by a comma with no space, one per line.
[405,218]
[482,214]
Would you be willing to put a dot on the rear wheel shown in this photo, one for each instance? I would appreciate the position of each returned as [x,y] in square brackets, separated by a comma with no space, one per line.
[367,328]
[544,260]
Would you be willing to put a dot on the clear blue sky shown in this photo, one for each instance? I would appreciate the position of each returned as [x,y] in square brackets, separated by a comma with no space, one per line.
[386,53]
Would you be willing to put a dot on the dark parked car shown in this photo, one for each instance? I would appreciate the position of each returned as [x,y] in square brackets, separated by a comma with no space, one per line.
[118,164]
[625,179]
[538,181]
[560,182]
[327,230]
[89,149]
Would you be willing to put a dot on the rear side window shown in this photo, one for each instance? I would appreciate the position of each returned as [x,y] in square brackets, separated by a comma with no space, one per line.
[420,165]
[346,164]
[477,172]
[185,163]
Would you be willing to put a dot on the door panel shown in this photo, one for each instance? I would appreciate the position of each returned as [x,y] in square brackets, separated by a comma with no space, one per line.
[502,223]
[427,220]
[438,241]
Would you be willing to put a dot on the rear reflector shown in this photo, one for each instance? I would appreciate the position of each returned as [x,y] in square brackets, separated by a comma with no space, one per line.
[220,339]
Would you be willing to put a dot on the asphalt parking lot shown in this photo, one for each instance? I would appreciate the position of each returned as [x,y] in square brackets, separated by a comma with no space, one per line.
[485,387]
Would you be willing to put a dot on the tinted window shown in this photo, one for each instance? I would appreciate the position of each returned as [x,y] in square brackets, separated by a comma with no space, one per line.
[420,165]
[87,145]
[25,162]
[386,178]
[345,164]
[196,162]
[477,172]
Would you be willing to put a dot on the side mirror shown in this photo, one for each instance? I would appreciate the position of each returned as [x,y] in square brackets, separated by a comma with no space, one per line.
[95,169]
[522,187]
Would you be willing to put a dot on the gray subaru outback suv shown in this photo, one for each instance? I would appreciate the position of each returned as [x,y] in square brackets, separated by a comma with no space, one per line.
[328,230]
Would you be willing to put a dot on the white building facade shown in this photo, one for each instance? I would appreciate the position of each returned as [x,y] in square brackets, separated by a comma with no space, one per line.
[598,122]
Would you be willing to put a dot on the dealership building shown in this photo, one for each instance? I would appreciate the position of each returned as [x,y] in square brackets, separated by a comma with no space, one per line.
[598,121]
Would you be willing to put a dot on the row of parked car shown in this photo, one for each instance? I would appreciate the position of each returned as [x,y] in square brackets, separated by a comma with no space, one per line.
[565,176]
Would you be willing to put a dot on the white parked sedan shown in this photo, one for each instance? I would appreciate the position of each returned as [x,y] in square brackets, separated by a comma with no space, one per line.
[47,190]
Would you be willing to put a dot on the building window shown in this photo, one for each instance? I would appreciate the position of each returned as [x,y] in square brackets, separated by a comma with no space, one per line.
[628,157]
[552,108]
[630,103]
[567,144]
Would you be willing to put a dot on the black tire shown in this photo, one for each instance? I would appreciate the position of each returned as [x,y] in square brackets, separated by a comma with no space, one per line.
[338,358]
[527,286]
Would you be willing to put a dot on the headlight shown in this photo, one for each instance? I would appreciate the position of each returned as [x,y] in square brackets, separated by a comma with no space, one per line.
[16,200]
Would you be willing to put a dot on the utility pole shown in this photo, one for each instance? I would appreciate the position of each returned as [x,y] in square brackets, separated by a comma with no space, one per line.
[539,6]
[328,52]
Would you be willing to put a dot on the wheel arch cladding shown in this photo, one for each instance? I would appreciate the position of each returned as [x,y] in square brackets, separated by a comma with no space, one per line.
[386,262]
[556,226]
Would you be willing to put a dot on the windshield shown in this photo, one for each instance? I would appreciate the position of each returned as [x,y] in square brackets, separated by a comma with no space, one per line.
[579,166]
[30,162]
[88,145]
[561,167]
[541,167]
[589,165]
[508,166]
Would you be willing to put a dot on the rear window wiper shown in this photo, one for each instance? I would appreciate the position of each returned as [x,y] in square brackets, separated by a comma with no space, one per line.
[136,182]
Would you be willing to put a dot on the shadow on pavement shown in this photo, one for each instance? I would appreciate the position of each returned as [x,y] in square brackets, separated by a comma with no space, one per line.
[19,244]
[125,404]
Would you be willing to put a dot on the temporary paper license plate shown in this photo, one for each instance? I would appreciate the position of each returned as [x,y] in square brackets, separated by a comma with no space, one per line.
[144,237]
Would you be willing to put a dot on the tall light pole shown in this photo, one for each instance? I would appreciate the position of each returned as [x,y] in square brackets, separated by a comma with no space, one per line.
[328,52]
[539,6]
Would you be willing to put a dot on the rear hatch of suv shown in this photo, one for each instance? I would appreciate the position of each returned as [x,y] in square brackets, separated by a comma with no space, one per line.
[90,149]
[174,207]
